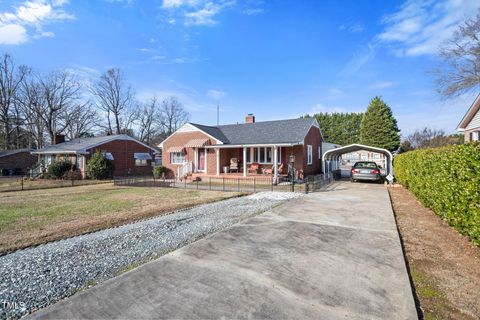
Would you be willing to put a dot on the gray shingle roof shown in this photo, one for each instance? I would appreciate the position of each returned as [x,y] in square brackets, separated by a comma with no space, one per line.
[80,145]
[5,153]
[267,132]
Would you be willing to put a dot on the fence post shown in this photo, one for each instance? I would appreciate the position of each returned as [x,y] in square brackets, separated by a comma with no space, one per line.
[22,183]
[293,184]
[223,183]
[306,186]
[272,183]
[73,180]
[253,183]
[238,184]
[209,183]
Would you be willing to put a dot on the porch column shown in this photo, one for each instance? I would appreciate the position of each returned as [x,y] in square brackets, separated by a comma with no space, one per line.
[244,161]
[217,153]
[275,162]
[206,161]
[195,161]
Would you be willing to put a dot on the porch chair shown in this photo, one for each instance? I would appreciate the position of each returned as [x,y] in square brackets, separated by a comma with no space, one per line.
[271,170]
[233,165]
[253,168]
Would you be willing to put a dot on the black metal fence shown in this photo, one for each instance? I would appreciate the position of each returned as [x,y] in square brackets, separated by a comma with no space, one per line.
[239,184]
[21,183]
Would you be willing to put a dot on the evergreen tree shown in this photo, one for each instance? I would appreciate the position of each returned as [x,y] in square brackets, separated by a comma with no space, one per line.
[340,128]
[379,127]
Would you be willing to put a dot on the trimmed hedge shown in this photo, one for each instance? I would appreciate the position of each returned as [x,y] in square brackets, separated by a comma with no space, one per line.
[446,180]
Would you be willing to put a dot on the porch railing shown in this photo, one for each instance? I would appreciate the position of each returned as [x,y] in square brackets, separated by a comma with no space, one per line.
[184,169]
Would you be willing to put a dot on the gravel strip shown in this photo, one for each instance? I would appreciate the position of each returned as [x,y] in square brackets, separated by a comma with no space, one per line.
[36,277]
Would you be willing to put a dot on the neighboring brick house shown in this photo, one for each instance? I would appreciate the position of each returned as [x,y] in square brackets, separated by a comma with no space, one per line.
[207,150]
[129,155]
[16,162]
[470,124]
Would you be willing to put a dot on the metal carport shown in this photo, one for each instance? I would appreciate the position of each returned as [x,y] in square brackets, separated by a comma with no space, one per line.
[331,158]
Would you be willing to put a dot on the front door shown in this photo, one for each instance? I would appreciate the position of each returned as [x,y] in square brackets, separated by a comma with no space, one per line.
[201,159]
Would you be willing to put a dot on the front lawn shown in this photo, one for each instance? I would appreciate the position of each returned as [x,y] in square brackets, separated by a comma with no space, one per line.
[37,216]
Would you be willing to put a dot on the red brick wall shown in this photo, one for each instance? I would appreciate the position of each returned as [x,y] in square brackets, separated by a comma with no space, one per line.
[314,139]
[21,160]
[181,139]
[122,151]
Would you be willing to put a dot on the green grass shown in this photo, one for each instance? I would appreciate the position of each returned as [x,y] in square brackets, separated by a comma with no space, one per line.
[37,216]
[434,303]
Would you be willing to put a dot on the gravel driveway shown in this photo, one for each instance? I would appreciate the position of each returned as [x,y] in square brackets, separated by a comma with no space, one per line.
[36,277]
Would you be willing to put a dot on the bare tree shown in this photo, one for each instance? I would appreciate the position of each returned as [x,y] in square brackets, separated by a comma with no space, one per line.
[31,101]
[61,92]
[11,77]
[115,98]
[460,72]
[82,120]
[172,116]
[429,138]
[148,120]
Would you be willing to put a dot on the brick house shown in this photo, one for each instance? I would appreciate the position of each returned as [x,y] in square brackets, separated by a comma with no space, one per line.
[470,124]
[129,155]
[16,162]
[257,148]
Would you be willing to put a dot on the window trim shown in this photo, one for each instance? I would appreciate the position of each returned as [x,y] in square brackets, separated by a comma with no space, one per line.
[253,155]
[309,154]
[141,163]
[178,160]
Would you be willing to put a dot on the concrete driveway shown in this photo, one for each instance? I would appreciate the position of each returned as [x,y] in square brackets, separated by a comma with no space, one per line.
[328,255]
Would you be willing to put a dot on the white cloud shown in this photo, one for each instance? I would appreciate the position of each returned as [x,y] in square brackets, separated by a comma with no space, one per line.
[419,27]
[253,11]
[33,14]
[12,34]
[381,85]
[216,94]
[195,12]
[354,28]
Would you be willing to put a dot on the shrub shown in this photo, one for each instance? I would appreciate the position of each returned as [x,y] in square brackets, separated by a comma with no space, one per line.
[446,180]
[58,168]
[99,167]
[158,171]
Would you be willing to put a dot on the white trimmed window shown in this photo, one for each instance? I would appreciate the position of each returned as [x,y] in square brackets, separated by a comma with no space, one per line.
[177,157]
[262,155]
[309,154]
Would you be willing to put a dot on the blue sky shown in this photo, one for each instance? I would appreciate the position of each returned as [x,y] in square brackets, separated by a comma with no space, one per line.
[276,59]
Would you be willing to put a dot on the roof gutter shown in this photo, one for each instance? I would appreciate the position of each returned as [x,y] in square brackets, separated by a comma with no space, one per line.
[225,146]
[60,152]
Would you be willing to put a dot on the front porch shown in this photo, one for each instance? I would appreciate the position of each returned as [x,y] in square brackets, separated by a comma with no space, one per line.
[262,161]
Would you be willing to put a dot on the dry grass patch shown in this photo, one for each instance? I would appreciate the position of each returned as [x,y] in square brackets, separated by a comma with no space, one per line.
[444,265]
[33,217]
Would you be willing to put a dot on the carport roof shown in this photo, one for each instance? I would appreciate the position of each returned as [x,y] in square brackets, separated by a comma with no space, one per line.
[355,147]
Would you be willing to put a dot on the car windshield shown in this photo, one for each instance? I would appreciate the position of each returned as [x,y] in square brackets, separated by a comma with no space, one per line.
[365,165]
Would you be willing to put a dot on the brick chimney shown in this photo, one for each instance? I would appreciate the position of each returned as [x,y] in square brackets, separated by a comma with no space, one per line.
[58,138]
[250,118]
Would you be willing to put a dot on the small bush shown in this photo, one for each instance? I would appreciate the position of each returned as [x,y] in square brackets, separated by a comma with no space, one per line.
[446,180]
[99,167]
[57,169]
[72,175]
[158,171]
